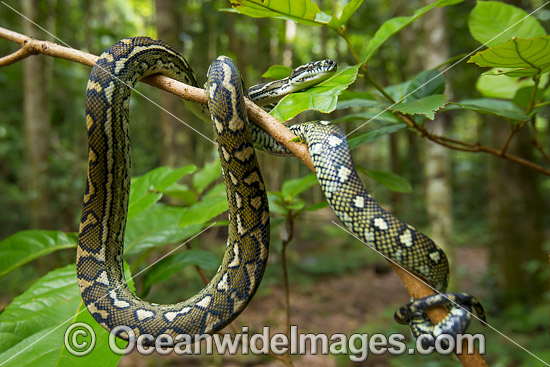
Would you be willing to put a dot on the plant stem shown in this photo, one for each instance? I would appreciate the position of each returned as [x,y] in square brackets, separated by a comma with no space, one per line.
[537,142]
[531,104]
[378,86]
[515,129]
[342,32]
[285,242]
[542,104]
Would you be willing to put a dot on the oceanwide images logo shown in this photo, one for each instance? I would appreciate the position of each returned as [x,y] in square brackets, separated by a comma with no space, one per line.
[80,340]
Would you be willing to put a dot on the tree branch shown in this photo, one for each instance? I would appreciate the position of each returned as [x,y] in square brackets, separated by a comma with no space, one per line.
[263,119]
[458,145]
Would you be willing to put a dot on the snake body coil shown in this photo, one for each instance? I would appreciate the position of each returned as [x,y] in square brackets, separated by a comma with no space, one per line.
[100,244]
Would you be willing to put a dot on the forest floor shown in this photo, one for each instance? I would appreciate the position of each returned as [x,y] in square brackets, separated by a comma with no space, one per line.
[333,304]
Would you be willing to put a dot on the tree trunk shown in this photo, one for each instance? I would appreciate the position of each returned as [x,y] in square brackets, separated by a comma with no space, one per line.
[438,164]
[290,36]
[37,125]
[409,65]
[515,210]
[175,142]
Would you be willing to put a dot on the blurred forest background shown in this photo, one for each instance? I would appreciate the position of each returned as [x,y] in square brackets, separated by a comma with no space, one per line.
[490,214]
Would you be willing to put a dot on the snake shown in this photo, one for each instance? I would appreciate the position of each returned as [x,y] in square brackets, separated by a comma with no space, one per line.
[99,260]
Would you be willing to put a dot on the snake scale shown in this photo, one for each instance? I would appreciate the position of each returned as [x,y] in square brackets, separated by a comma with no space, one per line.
[100,243]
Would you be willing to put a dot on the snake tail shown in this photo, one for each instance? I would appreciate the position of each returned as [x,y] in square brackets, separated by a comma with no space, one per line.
[368,221]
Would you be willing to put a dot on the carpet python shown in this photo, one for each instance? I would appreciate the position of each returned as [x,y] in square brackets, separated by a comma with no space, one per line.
[100,242]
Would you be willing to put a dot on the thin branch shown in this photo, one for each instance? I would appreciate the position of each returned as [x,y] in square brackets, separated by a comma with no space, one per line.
[520,124]
[542,104]
[537,143]
[533,95]
[343,32]
[285,241]
[473,148]
[506,144]
[376,85]
[14,57]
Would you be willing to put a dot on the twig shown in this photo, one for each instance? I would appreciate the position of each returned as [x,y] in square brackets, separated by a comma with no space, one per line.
[287,238]
[14,57]
[473,148]
[513,132]
[285,242]
[537,143]
[542,104]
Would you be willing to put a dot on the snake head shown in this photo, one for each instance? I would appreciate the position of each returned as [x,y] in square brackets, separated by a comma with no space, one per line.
[312,73]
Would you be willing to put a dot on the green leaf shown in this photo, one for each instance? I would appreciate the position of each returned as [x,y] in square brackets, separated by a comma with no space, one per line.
[25,246]
[423,84]
[490,106]
[277,72]
[203,211]
[448,3]
[373,134]
[293,188]
[392,181]
[426,83]
[171,176]
[347,12]
[157,179]
[147,189]
[349,99]
[523,96]
[322,97]
[349,9]
[493,22]
[158,225]
[426,106]
[276,203]
[139,205]
[384,116]
[317,206]
[172,264]
[394,25]
[102,345]
[181,192]
[517,57]
[206,175]
[301,11]
[34,324]
[295,204]
[501,86]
